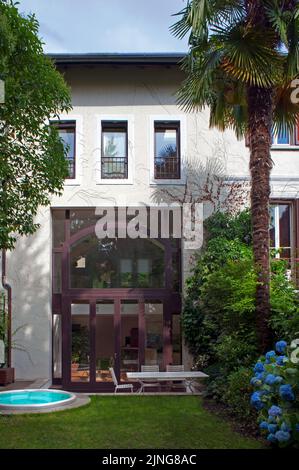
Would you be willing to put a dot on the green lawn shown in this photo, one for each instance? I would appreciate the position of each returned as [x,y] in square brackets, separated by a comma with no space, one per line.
[124,422]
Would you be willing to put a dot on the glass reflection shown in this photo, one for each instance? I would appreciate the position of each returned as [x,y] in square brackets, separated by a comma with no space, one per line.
[112,263]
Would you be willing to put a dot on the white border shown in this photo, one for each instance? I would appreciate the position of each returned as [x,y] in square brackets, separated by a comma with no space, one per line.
[277,246]
[286,147]
[131,148]
[151,147]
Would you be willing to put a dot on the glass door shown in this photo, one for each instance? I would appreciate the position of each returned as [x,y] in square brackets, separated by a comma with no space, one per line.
[105,353]
[80,342]
[91,343]
[103,333]
[129,338]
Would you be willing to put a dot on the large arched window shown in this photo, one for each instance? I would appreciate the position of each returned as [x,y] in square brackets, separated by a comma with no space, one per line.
[117,263]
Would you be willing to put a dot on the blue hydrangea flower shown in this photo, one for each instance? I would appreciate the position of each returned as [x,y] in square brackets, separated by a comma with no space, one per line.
[272,428]
[264,425]
[278,379]
[255,400]
[284,427]
[297,427]
[271,437]
[280,346]
[281,360]
[274,411]
[282,436]
[259,375]
[259,367]
[270,379]
[255,381]
[286,392]
[269,356]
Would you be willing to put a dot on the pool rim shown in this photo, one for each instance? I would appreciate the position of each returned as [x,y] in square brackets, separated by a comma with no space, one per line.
[71,399]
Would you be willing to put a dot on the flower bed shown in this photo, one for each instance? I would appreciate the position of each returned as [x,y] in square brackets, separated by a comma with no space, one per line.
[276,395]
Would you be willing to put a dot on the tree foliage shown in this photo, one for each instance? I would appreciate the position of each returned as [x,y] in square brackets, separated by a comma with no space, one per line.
[32,156]
[243,57]
[229,52]
[219,312]
[219,309]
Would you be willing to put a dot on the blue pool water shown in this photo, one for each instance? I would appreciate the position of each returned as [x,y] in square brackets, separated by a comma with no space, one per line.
[33,398]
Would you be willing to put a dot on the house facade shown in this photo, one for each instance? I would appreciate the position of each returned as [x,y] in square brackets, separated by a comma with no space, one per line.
[81,302]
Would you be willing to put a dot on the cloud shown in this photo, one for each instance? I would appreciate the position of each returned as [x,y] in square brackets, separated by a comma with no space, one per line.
[53,40]
[106,26]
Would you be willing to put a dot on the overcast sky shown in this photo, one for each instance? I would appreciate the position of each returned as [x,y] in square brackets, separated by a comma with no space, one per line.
[106,25]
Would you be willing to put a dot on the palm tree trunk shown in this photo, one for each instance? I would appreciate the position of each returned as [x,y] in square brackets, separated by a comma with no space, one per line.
[260,105]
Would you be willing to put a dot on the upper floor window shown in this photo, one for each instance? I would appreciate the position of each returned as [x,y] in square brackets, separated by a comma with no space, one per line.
[67,133]
[280,230]
[167,150]
[114,157]
[286,138]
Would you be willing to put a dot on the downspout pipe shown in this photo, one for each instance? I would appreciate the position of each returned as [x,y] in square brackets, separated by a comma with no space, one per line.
[8,289]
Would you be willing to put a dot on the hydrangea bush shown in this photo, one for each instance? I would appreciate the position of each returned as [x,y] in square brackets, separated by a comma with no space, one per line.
[276,395]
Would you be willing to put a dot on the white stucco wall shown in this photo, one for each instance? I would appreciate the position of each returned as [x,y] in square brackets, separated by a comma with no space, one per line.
[139,95]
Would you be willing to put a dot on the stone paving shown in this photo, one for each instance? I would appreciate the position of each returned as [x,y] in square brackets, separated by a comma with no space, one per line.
[18,385]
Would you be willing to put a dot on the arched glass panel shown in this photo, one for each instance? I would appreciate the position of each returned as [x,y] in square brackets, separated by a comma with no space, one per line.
[114,263]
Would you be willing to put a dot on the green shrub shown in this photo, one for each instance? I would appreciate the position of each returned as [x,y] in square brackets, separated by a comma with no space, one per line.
[237,394]
[231,227]
[219,312]
[284,303]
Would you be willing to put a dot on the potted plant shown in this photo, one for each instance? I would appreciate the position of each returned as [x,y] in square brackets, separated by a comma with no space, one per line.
[75,361]
[80,346]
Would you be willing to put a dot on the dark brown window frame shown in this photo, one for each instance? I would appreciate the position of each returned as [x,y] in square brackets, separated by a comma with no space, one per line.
[169,125]
[294,218]
[61,305]
[68,124]
[293,141]
[107,126]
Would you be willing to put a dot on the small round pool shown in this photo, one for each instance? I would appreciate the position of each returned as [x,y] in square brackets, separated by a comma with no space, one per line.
[34,399]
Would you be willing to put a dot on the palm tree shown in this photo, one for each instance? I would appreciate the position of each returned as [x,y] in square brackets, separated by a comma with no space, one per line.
[243,56]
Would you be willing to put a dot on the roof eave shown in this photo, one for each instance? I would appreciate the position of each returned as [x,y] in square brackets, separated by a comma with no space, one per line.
[118,59]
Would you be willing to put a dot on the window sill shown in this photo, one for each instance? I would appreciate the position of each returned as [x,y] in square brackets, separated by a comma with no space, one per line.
[161,182]
[115,182]
[285,148]
[72,182]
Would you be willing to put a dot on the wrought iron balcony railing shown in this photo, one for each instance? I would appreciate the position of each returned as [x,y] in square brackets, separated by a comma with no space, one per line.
[167,167]
[114,167]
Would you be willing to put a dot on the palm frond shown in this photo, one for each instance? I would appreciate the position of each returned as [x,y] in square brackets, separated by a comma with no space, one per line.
[249,56]
[198,15]
[201,66]
[229,106]
[228,53]
[183,25]
[292,58]
[229,12]
[278,18]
